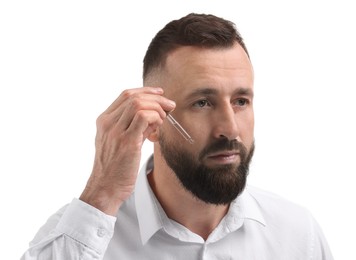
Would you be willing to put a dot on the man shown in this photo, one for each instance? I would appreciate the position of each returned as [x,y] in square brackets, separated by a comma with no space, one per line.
[189,201]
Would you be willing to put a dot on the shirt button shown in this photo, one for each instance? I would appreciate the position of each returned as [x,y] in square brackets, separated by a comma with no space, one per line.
[101,232]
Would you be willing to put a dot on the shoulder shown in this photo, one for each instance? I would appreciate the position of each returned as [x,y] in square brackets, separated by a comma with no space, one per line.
[272,200]
[289,225]
[280,211]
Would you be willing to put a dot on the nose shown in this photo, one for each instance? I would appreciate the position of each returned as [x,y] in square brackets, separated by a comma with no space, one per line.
[225,123]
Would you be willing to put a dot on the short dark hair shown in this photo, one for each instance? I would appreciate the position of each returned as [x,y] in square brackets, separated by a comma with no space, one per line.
[200,30]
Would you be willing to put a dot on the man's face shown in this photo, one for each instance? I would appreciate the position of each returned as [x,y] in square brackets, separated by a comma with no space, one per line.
[213,89]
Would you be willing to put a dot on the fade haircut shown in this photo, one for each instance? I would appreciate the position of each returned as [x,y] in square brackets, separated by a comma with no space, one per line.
[199,30]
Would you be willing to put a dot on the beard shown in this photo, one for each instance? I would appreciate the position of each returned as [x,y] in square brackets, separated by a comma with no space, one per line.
[218,185]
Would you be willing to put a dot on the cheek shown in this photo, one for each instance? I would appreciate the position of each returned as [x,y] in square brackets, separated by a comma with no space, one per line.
[199,132]
[246,126]
[168,132]
[174,136]
[252,124]
[250,118]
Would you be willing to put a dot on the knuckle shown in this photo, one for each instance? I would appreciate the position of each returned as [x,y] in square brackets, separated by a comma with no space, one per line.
[127,93]
[159,122]
[103,122]
[136,104]
[141,115]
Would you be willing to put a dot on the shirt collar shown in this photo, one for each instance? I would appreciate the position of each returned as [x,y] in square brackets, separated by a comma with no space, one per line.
[244,208]
[150,219]
[147,213]
[251,207]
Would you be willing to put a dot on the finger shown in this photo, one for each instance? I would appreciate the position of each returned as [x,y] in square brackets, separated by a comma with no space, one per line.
[127,94]
[155,103]
[144,123]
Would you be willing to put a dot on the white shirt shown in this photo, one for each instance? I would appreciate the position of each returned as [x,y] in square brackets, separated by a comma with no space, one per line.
[258,225]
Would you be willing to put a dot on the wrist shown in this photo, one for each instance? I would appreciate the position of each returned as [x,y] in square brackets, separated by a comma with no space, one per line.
[104,200]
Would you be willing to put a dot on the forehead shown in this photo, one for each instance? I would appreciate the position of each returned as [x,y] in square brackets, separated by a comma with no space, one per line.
[189,68]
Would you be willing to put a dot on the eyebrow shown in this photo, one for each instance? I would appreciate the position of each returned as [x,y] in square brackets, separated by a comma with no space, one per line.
[212,91]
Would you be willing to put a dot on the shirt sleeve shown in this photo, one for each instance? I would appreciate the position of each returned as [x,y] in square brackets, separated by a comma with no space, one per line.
[320,248]
[77,231]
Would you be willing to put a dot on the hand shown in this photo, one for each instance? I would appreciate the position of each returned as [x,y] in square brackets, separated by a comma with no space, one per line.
[121,131]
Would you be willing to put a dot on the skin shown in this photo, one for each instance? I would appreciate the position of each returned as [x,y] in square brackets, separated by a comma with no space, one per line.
[121,131]
[213,91]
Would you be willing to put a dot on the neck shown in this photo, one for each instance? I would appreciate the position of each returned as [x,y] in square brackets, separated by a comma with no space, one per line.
[180,205]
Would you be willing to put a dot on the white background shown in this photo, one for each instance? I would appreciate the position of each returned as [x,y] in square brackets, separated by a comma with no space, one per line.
[63,62]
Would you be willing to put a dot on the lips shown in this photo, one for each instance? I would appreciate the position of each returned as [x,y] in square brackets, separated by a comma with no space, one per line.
[224,157]
[223,154]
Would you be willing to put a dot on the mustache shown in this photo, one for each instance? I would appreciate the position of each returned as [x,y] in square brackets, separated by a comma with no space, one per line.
[224,145]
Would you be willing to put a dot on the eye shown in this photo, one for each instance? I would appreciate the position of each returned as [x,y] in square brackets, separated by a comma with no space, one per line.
[241,102]
[202,103]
